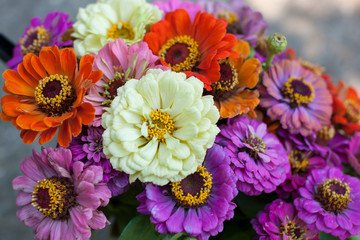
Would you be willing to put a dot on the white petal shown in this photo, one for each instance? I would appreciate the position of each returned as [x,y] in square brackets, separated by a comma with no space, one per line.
[188,115]
[187,132]
[149,90]
[127,134]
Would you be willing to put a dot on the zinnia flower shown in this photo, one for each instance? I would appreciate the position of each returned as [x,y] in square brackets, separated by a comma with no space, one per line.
[198,204]
[231,93]
[88,148]
[279,221]
[159,127]
[193,47]
[107,20]
[119,63]
[243,22]
[41,34]
[329,202]
[354,152]
[172,5]
[257,157]
[46,94]
[60,202]
[297,97]
[346,106]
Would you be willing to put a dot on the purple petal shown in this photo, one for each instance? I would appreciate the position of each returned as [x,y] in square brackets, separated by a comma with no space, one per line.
[192,223]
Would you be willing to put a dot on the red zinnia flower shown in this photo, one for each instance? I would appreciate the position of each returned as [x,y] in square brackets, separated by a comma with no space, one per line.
[46,94]
[192,47]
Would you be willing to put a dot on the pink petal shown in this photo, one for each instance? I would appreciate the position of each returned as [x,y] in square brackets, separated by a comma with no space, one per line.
[98,221]
[175,221]
[23,183]
[192,223]
[23,198]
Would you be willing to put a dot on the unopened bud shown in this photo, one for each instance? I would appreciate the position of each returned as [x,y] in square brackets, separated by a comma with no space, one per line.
[276,43]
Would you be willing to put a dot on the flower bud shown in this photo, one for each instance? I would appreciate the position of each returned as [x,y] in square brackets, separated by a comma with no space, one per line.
[276,43]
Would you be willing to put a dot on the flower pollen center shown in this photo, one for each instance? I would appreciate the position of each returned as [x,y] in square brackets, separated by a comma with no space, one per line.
[193,190]
[55,95]
[121,30]
[298,161]
[110,89]
[298,91]
[256,144]
[228,77]
[292,230]
[334,195]
[230,17]
[326,133]
[34,40]
[352,111]
[181,53]
[159,124]
[54,197]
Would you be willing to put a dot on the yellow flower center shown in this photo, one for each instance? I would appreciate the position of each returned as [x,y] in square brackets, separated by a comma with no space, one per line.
[298,161]
[55,95]
[193,190]
[230,17]
[291,230]
[180,53]
[256,144]
[326,133]
[334,195]
[228,77]
[34,40]
[298,91]
[121,30]
[352,109]
[53,197]
[159,124]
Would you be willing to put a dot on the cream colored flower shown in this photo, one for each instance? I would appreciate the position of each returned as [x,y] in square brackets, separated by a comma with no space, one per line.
[159,127]
[108,20]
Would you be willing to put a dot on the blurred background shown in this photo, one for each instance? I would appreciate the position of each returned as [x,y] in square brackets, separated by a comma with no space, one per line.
[324,32]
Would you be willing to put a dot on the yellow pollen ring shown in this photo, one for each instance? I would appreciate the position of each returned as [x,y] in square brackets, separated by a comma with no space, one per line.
[56,103]
[159,124]
[292,230]
[295,97]
[227,85]
[229,16]
[57,193]
[42,39]
[298,165]
[352,109]
[190,61]
[327,133]
[200,197]
[121,30]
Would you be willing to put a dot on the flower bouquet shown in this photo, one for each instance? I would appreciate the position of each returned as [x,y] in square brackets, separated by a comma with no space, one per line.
[179,120]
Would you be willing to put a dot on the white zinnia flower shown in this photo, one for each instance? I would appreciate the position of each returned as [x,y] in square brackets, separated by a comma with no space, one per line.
[108,20]
[159,127]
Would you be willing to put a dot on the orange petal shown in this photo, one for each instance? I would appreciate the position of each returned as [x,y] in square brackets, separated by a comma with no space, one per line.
[47,135]
[248,74]
[27,76]
[56,121]
[75,124]
[352,94]
[243,48]
[84,73]
[29,67]
[50,59]
[86,59]
[15,108]
[68,62]
[95,76]
[86,112]
[16,85]
[64,135]
[181,20]
[29,136]
[38,67]
[151,39]
[25,121]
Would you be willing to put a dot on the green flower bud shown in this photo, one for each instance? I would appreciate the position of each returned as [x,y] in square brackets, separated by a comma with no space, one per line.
[276,43]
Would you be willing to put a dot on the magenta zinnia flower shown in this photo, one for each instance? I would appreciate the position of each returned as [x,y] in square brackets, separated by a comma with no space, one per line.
[297,97]
[38,35]
[257,157]
[330,203]
[88,148]
[171,5]
[279,221]
[58,201]
[199,204]
[354,152]
[243,22]
[119,63]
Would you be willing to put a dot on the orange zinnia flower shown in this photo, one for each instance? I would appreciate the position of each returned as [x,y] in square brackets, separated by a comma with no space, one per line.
[346,106]
[192,47]
[232,93]
[46,94]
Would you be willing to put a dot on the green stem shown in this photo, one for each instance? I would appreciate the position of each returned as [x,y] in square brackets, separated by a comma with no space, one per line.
[268,62]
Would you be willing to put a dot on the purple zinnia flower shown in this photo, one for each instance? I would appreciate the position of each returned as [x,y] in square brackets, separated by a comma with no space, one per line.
[257,157]
[302,160]
[38,35]
[199,204]
[171,5]
[279,221]
[354,152]
[330,202]
[243,22]
[59,201]
[88,148]
[297,97]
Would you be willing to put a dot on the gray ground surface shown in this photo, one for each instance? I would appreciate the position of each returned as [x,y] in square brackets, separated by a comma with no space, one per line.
[326,33]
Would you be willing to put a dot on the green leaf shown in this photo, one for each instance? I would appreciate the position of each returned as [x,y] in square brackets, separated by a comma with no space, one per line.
[140,228]
[251,205]
[357,237]
[325,236]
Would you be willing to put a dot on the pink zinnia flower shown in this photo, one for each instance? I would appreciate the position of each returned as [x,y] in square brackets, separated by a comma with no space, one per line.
[60,202]
[119,63]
